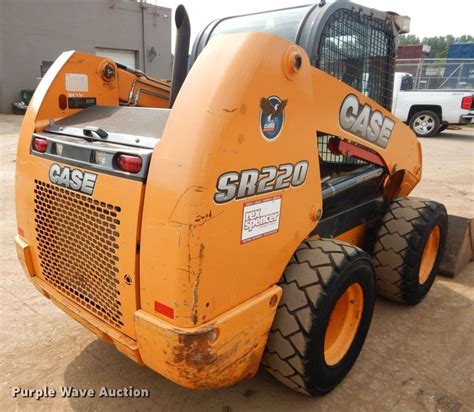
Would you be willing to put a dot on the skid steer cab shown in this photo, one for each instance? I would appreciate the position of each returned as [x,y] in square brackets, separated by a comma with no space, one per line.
[245,213]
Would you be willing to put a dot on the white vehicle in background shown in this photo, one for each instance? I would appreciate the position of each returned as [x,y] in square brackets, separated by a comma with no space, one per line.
[429,112]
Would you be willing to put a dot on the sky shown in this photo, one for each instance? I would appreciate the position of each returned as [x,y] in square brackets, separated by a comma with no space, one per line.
[428,17]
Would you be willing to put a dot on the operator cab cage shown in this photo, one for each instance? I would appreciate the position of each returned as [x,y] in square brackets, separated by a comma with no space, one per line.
[352,43]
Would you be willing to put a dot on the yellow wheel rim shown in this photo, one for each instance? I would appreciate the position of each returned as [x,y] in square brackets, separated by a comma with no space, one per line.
[343,324]
[428,258]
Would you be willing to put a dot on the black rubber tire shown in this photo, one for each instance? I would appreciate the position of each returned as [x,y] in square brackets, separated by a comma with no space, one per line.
[443,127]
[317,275]
[436,124]
[399,245]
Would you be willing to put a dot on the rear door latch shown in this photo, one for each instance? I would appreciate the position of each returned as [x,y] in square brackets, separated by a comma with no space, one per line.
[89,130]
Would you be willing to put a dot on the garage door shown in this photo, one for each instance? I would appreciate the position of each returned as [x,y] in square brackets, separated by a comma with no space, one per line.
[126,57]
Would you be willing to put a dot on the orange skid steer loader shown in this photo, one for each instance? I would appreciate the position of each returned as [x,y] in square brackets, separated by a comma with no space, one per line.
[246,213]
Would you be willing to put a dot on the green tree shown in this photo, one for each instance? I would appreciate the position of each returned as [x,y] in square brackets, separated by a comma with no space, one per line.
[406,39]
[439,44]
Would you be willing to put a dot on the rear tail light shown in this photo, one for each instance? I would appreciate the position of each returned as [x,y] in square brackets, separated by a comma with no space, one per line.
[129,163]
[100,158]
[466,102]
[59,148]
[40,145]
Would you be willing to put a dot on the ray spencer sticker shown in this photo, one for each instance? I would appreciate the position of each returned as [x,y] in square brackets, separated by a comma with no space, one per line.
[260,218]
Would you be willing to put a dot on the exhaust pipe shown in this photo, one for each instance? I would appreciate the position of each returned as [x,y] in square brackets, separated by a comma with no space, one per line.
[181,51]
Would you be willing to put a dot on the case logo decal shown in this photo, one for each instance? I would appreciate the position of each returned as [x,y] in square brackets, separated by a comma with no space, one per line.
[260,218]
[365,122]
[272,116]
[76,179]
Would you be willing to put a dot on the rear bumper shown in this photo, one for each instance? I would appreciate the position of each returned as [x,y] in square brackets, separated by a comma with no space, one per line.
[215,354]
[467,118]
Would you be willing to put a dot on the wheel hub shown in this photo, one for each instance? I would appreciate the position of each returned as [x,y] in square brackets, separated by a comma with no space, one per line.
[430,252]
[343,324]
[424,124]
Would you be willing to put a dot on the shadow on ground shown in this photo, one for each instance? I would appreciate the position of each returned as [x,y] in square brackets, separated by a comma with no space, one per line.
[101,365]
[405,358]
[464,135]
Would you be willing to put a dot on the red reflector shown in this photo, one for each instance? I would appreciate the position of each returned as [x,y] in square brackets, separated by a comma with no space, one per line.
[40,145]
[129,163]
[164,310]
[466,103]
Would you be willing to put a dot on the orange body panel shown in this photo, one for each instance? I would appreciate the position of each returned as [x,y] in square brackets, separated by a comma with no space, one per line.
[33,171]
[185,250]
[106,189]
[181,249]
[355,236]
[214,354]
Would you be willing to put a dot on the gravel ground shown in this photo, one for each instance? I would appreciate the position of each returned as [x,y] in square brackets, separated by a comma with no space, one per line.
[418,358]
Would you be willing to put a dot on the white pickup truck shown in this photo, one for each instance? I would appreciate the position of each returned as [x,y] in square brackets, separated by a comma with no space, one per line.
[429,112]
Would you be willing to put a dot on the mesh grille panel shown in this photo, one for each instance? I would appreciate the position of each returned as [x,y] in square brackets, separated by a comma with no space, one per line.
[326,156]
[359,50]
[78,243]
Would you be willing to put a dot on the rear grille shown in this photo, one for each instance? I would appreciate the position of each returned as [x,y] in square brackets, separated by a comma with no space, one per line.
[78,246]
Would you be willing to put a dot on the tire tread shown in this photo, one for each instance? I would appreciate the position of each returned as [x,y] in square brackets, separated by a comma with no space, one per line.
[288,366]
[397,243]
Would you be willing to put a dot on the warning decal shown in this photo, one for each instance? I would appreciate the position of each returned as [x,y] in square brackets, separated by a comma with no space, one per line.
[76,82]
